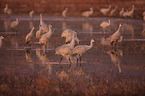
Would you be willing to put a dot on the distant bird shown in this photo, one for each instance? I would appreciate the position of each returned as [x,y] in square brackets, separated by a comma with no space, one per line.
[105,11]
[125,14]
[112,39]
[121,12]
[43,25]
[14,23]
[105,24]
[45,37]
[88,13]
[68,34]
[131,12]
[31,13]
[7,10]
[65,49]
[64,12]
[112,12]
[29,36]
[1,37]
[81,49]
[39,32]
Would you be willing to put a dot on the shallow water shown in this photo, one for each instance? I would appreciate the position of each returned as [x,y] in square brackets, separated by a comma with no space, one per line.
[103,70]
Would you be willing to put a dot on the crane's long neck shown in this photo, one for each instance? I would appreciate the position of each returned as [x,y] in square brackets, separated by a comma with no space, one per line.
[6,6]
[72,43]
[32,31]
[118,31]
[41,19]
[91,45]
[50,31]
[91,10]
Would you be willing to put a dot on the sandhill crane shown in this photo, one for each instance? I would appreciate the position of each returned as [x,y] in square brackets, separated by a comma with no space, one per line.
[121,12]
[43,25]
[14,23]
[64,12]
[45,37]
[88,13]
[31,13]
[68,34]
[116,37]
[105,24]
[125,14]
[65,50]
[1,37]
[29,36]
[7,10]
[131,12]
[112,12]
[105,11]
[112,39]
[39,32]
[81,49]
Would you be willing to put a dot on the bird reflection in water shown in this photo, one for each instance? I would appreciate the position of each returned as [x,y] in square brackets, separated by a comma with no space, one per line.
[40,52]
[7,23]
[128,28]
[14,42]
[87,27]
[114,54]
[31,24]
[28,55]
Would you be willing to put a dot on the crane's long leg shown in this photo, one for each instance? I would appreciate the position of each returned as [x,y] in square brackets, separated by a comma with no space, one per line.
[70,63]
[80,59]
[60,60]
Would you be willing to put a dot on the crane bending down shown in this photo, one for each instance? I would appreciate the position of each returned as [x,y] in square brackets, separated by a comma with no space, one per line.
[68,34]
[65,50]
[81,49]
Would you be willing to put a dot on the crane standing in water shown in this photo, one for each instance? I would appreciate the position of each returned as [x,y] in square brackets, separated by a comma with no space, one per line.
[81,49]
[65,50]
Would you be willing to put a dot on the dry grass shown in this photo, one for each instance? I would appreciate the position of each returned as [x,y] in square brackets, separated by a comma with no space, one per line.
[12,83]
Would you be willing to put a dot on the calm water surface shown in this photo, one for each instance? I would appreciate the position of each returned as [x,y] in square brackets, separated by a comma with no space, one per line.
[103,71]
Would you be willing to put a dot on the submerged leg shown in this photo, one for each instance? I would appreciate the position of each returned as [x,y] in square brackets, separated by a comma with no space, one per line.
[60,60]
[80,60]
